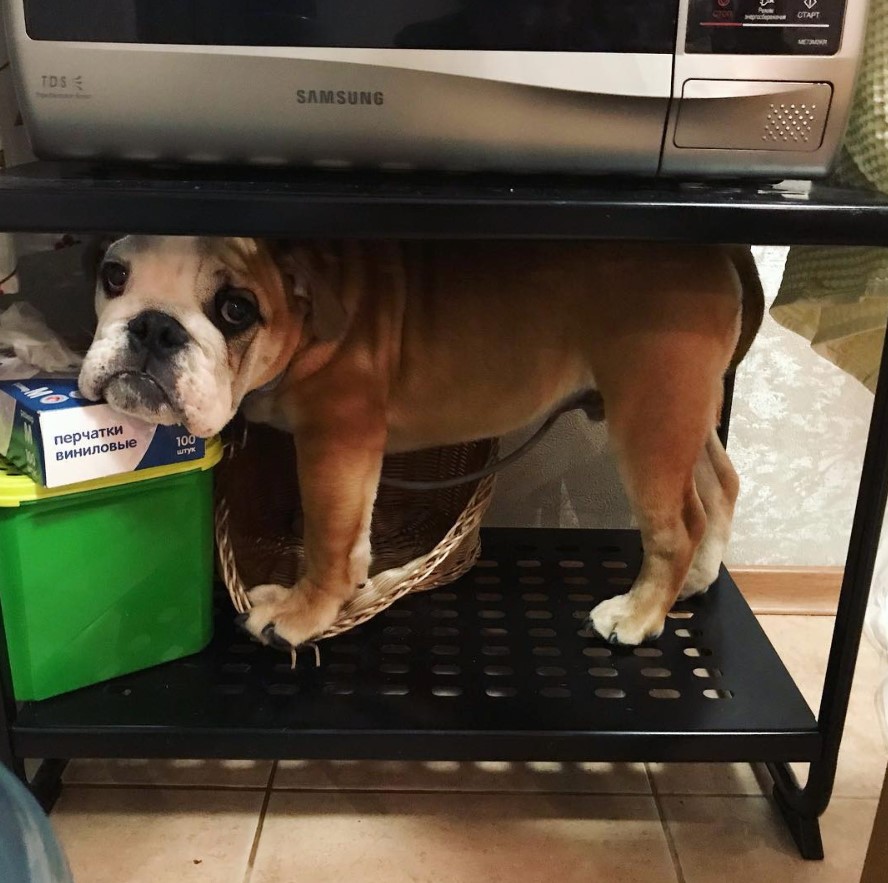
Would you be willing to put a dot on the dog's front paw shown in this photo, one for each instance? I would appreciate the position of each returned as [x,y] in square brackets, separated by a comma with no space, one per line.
[285,618]
[623,620]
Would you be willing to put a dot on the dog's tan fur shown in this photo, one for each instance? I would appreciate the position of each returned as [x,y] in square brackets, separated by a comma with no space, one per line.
[399,346]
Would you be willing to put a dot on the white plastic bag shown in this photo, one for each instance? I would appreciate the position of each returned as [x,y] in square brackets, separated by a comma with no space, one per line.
[28,346]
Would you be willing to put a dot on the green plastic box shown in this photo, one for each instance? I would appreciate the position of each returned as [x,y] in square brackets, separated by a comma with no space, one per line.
[106,577]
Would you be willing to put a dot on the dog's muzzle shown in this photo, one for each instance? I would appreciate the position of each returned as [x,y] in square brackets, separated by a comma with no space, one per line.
[144,384]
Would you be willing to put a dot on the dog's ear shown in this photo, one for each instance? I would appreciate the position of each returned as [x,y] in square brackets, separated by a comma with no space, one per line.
[311,273]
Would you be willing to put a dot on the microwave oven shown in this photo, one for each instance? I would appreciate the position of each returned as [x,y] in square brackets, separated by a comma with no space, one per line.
[669,87]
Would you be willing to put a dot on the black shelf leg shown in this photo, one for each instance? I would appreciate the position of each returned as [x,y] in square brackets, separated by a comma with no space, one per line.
[46,786]
[804,829]
[7,712]
[802,806]
[47,782]
[803,826]
[7,758]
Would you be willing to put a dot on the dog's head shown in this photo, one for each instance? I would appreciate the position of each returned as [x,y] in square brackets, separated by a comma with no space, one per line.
[188,326]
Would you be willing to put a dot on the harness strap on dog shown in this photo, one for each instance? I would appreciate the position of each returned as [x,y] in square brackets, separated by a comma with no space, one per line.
[589,402]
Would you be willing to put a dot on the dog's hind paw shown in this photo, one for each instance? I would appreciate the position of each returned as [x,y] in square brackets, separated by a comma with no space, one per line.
[622,620]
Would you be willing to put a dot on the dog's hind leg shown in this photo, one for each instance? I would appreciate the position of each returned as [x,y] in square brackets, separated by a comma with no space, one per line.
[660,414]
[718,486]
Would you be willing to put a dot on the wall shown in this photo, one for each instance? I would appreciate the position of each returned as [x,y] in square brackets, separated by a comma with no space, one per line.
[797,437]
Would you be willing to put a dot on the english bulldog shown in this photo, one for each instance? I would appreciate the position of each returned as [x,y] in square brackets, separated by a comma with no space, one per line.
[360,348]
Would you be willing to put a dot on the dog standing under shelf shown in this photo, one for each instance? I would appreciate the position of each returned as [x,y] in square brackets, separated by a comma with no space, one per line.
[364,348]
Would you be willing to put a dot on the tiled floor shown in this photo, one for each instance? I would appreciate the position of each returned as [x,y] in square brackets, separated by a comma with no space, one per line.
[313,822]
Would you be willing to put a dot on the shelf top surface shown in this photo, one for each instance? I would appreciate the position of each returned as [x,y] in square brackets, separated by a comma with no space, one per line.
[80,197]
[503,654]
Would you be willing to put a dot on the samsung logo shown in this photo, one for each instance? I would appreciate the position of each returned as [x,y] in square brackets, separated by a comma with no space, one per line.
[341,96]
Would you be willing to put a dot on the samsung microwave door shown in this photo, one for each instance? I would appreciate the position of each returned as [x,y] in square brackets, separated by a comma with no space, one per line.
[559,85]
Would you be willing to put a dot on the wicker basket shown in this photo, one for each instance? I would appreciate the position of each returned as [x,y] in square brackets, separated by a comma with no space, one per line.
[419,539]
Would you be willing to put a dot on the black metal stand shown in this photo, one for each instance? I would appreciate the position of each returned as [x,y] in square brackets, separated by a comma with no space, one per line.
[801,806]
[7,711]
[46,784]
[498,666]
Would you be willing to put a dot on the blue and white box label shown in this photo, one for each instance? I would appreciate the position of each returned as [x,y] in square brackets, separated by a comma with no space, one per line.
[49,431]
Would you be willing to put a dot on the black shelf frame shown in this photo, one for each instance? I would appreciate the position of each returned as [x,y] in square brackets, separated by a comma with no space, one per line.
[83,197]
[319,713]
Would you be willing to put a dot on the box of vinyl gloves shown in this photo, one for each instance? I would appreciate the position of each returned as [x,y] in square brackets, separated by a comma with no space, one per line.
[54,435]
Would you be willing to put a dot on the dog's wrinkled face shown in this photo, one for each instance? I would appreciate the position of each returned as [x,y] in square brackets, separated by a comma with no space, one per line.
[187,327]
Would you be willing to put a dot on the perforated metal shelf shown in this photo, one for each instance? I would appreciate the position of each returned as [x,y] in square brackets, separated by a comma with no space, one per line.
[497,666]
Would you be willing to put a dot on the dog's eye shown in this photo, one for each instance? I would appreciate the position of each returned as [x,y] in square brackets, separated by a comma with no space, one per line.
[236,309]
[114,277]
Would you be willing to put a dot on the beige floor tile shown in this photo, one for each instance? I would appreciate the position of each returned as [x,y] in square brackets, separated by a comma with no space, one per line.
[709,778]
[441,838]
[150,835]
[803,644]
[201,773]
[727,839]
[585,778]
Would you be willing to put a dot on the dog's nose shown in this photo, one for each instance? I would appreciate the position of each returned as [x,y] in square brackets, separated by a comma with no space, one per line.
[157,333]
